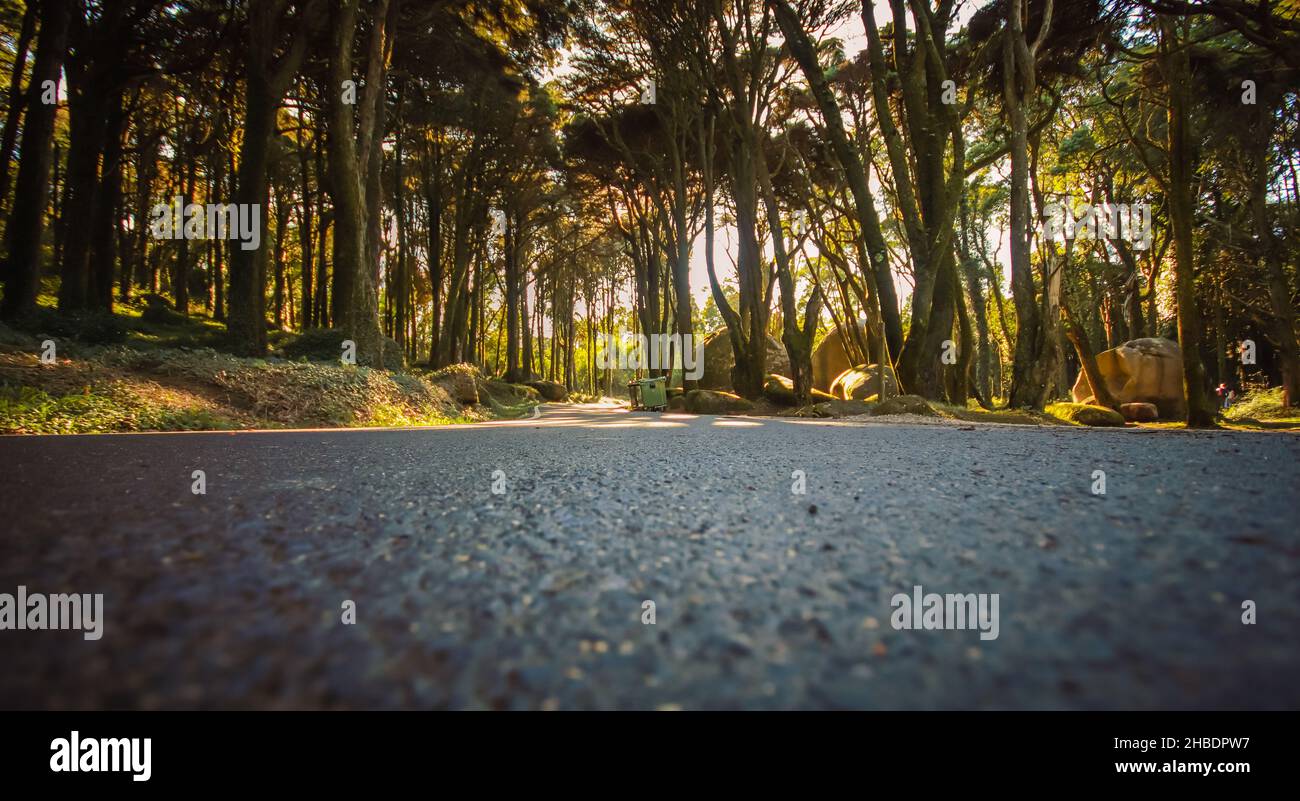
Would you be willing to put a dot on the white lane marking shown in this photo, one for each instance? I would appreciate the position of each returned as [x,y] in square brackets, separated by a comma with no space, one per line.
[537,412]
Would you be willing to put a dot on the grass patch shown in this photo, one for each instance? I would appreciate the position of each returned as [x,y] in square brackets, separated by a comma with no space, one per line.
[391,415]
[128,389]
[1280,424]
[1262,405]
[974,413]
[508,411]
[1084,414]
[28,410]
[146,367]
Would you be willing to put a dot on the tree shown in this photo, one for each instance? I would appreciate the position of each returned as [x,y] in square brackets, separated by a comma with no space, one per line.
[23,266]
[278,34]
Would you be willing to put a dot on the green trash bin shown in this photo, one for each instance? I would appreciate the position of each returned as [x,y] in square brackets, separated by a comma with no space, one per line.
[649,393]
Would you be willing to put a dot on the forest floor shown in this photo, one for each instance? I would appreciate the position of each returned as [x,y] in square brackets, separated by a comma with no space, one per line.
[146,368]
[118,389]
[508,564]
[128,372]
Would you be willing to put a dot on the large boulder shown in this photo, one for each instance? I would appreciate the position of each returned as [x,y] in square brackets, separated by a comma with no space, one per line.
[1139,412]
[780,390]
[863,382]
[1148,370]
[719,361]
[832,407]
[549,390]
[707,401]
[509,394]
[905,404]
[461,382]
[829,359]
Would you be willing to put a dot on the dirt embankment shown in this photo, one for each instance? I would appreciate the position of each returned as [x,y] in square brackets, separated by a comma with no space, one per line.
[122,389]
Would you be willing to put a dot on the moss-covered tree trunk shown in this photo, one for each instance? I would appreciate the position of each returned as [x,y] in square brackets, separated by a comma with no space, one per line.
[1175,66]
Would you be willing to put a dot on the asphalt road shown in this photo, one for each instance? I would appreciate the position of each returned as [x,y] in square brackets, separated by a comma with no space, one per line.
[533,598]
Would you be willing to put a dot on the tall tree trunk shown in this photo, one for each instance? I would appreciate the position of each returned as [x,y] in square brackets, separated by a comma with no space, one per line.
[971,273]
[797,338]
[370,339]
[1088,361]
[1283,328]
[354,170]
[219,178]
[306,214]
[345,174]
[868,221]
[402,288]
[103,253]
[17,100]
[184,166]
[961,380]
[751,362]
[682,276]
[22,274]
[1177,73]
[321,317]
[85,144]
[246,302]
[267,79]
[1034,360]
[93,84]
[278,257]
[525,325]
[146,173]
[514,302]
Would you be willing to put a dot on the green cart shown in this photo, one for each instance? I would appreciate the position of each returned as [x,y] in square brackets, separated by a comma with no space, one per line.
[649,394]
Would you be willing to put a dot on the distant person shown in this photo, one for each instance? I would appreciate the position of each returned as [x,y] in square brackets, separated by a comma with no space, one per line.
[1230,399]
[1222,391]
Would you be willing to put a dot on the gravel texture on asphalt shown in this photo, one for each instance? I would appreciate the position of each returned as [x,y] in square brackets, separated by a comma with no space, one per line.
[533,598]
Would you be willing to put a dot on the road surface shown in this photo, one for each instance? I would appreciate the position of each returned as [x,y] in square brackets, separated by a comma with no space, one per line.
[507,565]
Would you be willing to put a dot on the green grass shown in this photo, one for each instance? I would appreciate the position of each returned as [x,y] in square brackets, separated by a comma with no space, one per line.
[974,413]
[1262,410]
[1262,405]
[391,415]
[507,411]
[28,410]
[1084,414]
[144,367]
[126,388]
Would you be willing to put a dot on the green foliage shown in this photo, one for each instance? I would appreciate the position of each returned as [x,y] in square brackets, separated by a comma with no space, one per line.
[391,415]
[1077,143]
[1084,414]
[28,410]
[1265,404]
